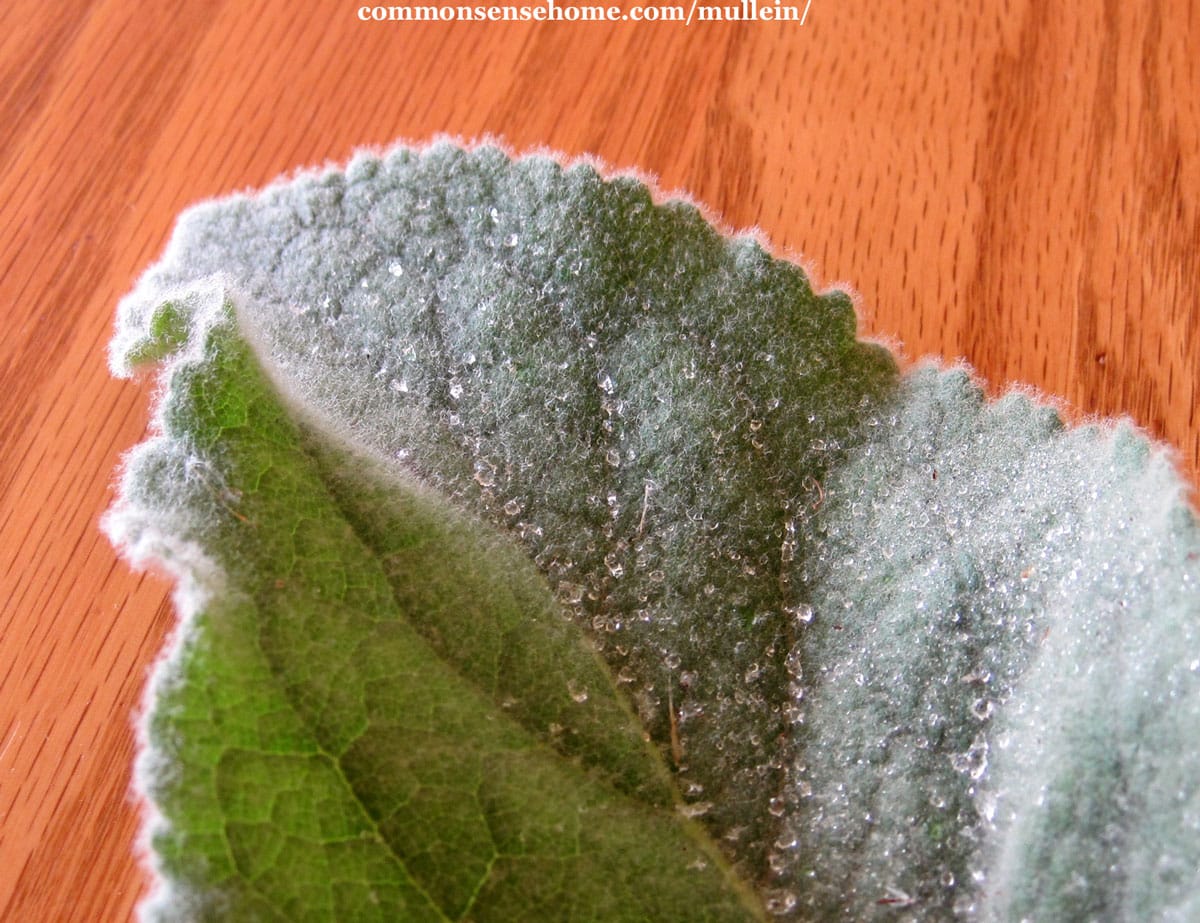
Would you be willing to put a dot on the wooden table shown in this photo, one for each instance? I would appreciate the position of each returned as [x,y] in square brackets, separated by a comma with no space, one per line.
[1019,185]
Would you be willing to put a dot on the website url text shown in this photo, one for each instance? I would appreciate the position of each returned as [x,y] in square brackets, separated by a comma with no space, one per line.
[552,11]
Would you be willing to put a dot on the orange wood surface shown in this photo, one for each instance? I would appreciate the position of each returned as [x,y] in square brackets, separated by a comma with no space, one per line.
[1018,184]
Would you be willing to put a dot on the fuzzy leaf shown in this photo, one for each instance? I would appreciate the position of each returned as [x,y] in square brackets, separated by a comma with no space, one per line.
[498,470]
[380,713]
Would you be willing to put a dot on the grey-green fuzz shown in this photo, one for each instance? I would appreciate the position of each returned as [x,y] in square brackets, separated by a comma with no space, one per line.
[369,719]
[545,554]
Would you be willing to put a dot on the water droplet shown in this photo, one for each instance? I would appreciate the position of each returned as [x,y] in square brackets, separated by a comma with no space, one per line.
[672,661]
[400,386]
[802,612]
[456,390]
[579,694]
[570,593]
[614,565]
[512,507]
[485,473]
[986,806]
[780,902]
[974,762]
[605,383]
[511,240]
[982,708]
[696,809]
[494,214]
[690,710]
[613,457]
[396,269]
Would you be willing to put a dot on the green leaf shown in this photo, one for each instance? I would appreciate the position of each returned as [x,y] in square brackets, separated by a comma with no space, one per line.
[546,555]
[381,712]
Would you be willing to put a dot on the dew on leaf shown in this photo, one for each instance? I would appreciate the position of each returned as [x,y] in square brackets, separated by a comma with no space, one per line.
[974,761]
[961,577]
[780,902]
[570,593]
[485,473]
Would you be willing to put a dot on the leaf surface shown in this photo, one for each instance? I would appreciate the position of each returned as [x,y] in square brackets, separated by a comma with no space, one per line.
[499,470]
[387,723]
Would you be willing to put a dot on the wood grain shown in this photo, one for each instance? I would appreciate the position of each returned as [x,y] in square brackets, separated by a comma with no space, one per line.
[1017,184]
